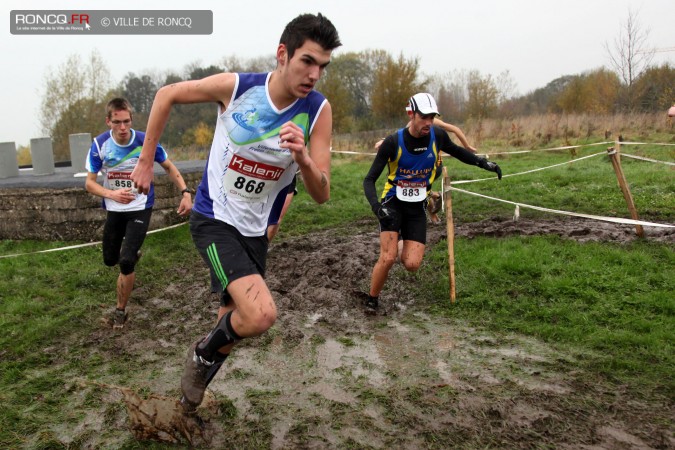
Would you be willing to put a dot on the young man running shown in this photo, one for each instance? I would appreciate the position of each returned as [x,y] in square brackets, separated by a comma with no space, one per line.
[115,153]
[269,125]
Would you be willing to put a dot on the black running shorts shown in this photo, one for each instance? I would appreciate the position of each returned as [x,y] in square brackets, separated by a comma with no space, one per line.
[410,220]
[228,254]
[123,235]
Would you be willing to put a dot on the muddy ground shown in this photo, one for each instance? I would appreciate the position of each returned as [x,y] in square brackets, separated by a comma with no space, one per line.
[329,376]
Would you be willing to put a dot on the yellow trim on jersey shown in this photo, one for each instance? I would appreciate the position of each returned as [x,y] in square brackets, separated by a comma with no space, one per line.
[393,168]
[437,154]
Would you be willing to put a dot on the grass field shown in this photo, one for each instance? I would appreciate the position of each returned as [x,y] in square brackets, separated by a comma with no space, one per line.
[611,304]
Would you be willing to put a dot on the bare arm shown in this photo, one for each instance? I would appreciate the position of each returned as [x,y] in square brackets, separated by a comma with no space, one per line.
[453,129]
[216,88]
[119,195]
[315,167]
[174,175]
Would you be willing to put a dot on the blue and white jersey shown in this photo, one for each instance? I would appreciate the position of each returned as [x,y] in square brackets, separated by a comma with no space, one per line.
[247,170]
[116,162]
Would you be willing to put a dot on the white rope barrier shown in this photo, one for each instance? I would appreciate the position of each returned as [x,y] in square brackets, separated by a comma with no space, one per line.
[567,147]
[567,213]
[645,143]
[352,153]
[647,159]
[530,171]
[88,244]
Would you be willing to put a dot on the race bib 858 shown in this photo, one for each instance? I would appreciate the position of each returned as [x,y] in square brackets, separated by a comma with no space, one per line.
[120,180]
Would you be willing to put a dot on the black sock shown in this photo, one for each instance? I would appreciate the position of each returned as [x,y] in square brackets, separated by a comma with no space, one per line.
[219,337]
[218,360]
[230,330]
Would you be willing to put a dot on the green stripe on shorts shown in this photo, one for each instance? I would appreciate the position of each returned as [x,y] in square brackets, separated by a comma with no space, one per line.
[215,263]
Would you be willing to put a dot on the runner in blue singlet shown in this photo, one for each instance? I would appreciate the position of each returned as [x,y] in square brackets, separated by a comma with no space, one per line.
[115,154]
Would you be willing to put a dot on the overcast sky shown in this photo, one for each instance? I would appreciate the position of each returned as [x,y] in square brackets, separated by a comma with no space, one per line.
[535,40]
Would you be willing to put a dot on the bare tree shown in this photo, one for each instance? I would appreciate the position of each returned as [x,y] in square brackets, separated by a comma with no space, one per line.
[630,54]
[483,95]
[73,100]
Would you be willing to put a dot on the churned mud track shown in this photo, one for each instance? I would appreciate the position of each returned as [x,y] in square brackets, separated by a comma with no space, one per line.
[329,376]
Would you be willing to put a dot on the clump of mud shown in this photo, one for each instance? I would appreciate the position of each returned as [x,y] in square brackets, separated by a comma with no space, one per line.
[160,418]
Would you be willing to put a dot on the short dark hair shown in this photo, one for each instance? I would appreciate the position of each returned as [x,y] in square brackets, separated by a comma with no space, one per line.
[118,104]
[308,26]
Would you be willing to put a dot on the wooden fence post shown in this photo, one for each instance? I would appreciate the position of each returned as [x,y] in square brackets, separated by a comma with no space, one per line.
[447,202]
[623,184]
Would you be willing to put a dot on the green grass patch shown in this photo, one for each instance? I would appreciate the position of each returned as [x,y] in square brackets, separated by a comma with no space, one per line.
[615,300]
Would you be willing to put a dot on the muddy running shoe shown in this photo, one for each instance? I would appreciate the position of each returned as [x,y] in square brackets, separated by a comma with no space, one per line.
[193,381]
[371,303]
[119,318]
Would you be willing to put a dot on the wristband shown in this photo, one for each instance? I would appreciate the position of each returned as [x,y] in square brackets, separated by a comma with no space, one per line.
[188,190]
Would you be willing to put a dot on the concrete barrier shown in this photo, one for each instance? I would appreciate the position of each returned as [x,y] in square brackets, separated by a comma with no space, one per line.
[42,155]
[9,164]
[79,147]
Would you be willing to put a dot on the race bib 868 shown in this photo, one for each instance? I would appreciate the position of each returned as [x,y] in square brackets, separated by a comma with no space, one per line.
[250,181]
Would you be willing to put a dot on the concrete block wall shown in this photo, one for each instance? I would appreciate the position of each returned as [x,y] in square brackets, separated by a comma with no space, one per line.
[71,213]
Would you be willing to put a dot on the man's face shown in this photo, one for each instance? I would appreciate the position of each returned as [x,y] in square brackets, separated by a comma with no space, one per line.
[305,68]
[120,124]
[421,124]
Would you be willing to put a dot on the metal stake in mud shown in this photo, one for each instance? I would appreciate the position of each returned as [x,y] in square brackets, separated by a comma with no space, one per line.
[447,203]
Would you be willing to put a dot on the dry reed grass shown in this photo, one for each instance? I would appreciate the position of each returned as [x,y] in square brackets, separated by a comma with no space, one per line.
[537,131]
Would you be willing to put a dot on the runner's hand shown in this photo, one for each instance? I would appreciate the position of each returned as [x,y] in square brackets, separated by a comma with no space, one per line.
[384,213]
[142,176]
[123,196]
[491,166]
[185,206]
[292,137]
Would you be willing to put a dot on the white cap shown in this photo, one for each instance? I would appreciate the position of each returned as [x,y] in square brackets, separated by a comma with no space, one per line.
[423,103]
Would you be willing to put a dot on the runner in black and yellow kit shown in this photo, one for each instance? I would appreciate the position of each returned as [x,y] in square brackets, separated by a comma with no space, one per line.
[411,155]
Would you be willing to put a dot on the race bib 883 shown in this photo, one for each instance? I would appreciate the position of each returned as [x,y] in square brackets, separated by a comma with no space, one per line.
[411,191]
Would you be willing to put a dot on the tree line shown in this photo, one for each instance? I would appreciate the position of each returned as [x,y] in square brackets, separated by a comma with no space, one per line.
[367,90]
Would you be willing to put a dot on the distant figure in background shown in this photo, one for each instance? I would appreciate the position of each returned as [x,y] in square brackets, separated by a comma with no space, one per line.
[115,153]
